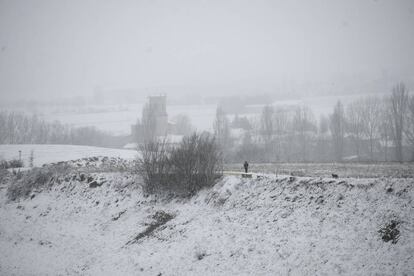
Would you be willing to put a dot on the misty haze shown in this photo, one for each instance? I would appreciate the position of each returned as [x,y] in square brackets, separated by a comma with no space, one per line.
[206,137]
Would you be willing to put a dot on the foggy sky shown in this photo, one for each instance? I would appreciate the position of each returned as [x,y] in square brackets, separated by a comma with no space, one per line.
[52,48]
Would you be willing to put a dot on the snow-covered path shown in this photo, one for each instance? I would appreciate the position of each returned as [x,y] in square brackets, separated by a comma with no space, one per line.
[269,226]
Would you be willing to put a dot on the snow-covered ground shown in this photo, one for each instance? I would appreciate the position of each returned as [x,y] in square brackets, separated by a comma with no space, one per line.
[343,170]
[45,154]
[266,226]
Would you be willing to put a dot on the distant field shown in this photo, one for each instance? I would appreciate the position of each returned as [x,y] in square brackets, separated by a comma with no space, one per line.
[358,170]
[44,154]
[118,119]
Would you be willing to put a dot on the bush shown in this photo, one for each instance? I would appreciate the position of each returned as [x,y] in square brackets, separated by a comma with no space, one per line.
[14,163]
[193,164]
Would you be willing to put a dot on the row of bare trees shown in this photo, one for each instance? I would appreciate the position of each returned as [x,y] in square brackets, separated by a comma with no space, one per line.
[19,128]
[375,125]
[371,128]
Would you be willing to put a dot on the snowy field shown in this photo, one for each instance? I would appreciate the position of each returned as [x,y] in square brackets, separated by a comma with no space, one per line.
[268,226]
[118,119]
[44,154]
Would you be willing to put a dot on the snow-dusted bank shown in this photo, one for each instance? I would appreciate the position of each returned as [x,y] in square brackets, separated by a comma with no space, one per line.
[266,226]
[45,154]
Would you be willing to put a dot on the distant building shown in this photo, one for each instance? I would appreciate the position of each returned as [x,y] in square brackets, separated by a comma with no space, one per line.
[155,118]
[158,107]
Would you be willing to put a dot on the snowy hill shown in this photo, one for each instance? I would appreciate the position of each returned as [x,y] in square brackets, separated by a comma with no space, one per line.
[267,226]
[45,154]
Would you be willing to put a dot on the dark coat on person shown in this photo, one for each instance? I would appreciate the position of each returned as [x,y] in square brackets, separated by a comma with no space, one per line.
[246,166]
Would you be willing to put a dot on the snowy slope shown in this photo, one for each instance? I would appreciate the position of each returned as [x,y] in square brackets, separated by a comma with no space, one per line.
[44,154]
[269,226]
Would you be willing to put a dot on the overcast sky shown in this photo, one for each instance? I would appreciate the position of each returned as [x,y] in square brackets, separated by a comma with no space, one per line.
[50,48]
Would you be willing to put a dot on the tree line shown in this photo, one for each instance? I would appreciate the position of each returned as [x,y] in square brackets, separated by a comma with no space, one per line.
[371,128]
[19,128]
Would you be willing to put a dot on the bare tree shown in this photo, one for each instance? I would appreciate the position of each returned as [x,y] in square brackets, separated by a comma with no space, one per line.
[322,140]
[399,105]
[409,130]
[371,112]
[267,129]
[385,126]
[289,144]
[355,127]
[267,123]
[280,129]
[337,127]
[304,125]
[3,131]
[221,128]
[153,164]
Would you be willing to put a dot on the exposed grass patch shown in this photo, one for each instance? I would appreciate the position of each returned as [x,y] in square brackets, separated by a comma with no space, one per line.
[160,218]
[23,183]
[390,232]
[4,176]
[11,164]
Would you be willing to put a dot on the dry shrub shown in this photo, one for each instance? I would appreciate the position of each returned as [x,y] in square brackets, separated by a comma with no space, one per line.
[11,164]
[153,164]
[191,165]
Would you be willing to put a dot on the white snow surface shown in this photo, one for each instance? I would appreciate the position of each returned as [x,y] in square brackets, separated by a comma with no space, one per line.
[266,226]
[45,154]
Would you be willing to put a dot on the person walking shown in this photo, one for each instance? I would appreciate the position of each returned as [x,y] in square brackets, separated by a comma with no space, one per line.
[246,166]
